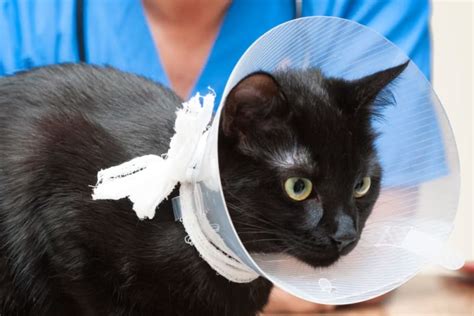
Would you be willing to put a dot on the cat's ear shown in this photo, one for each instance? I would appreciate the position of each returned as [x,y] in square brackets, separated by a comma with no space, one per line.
[256,101]
[367,88]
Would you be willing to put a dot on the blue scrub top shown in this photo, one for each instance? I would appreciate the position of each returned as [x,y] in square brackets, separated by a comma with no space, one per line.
[41,32]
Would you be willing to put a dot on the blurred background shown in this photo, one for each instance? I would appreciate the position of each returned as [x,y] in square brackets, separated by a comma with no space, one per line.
[452,39]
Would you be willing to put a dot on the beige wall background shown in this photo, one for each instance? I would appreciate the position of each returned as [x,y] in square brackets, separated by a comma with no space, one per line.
[452,35]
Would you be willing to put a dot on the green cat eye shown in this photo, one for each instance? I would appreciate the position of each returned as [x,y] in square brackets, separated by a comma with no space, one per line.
[298,189]
[362,187]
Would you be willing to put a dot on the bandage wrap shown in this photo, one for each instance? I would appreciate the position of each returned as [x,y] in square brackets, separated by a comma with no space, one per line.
[150,179]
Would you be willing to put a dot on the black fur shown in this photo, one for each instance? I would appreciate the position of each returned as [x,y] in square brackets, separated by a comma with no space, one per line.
[62,253]
[330,118]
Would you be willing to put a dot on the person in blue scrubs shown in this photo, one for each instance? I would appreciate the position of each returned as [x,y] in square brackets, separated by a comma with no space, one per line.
[185,45]
[119,33]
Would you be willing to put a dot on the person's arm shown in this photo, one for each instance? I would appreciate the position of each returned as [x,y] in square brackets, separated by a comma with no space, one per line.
[35,33]
[9,37]
[404,22]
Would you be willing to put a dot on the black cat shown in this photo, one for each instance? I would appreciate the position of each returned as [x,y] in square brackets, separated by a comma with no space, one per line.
[298,167]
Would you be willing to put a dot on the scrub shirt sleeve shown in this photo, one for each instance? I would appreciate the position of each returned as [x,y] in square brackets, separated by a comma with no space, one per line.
[410,147]
[404,22]
[35,33]
[9,37]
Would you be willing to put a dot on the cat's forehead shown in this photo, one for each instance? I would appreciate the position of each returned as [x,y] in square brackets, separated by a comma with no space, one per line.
[336,161]
[288,156]
[319,146]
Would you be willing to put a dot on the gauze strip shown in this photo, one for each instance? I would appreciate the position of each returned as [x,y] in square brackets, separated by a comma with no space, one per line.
[148,180]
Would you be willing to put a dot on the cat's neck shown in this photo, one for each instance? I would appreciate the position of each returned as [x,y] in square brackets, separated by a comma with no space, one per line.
[177,266]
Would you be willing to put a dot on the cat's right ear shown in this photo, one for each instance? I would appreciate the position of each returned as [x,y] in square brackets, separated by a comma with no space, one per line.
[255,102]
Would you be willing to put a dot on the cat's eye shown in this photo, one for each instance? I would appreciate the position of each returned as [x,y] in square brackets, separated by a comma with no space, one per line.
[362,187]
[298,189]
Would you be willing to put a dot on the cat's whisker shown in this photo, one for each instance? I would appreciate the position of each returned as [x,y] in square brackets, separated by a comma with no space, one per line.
[298,241]
[262,240]
[303,242]
[248,213]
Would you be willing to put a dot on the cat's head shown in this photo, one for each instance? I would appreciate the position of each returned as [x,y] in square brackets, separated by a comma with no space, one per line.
[298,163]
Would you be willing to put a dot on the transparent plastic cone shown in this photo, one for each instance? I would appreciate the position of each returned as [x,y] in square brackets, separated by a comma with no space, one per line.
[414,215]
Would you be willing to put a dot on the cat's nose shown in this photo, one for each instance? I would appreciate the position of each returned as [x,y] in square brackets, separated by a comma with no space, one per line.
[346,233]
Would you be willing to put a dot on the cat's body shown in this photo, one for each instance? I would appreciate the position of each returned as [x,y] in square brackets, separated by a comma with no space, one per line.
[65,254]
[61,253]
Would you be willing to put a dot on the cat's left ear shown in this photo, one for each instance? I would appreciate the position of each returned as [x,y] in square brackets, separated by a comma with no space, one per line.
[256,102]
[367,88]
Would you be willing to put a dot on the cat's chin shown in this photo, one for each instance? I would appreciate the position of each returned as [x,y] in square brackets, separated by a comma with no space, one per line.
[321,258]
[316,259]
